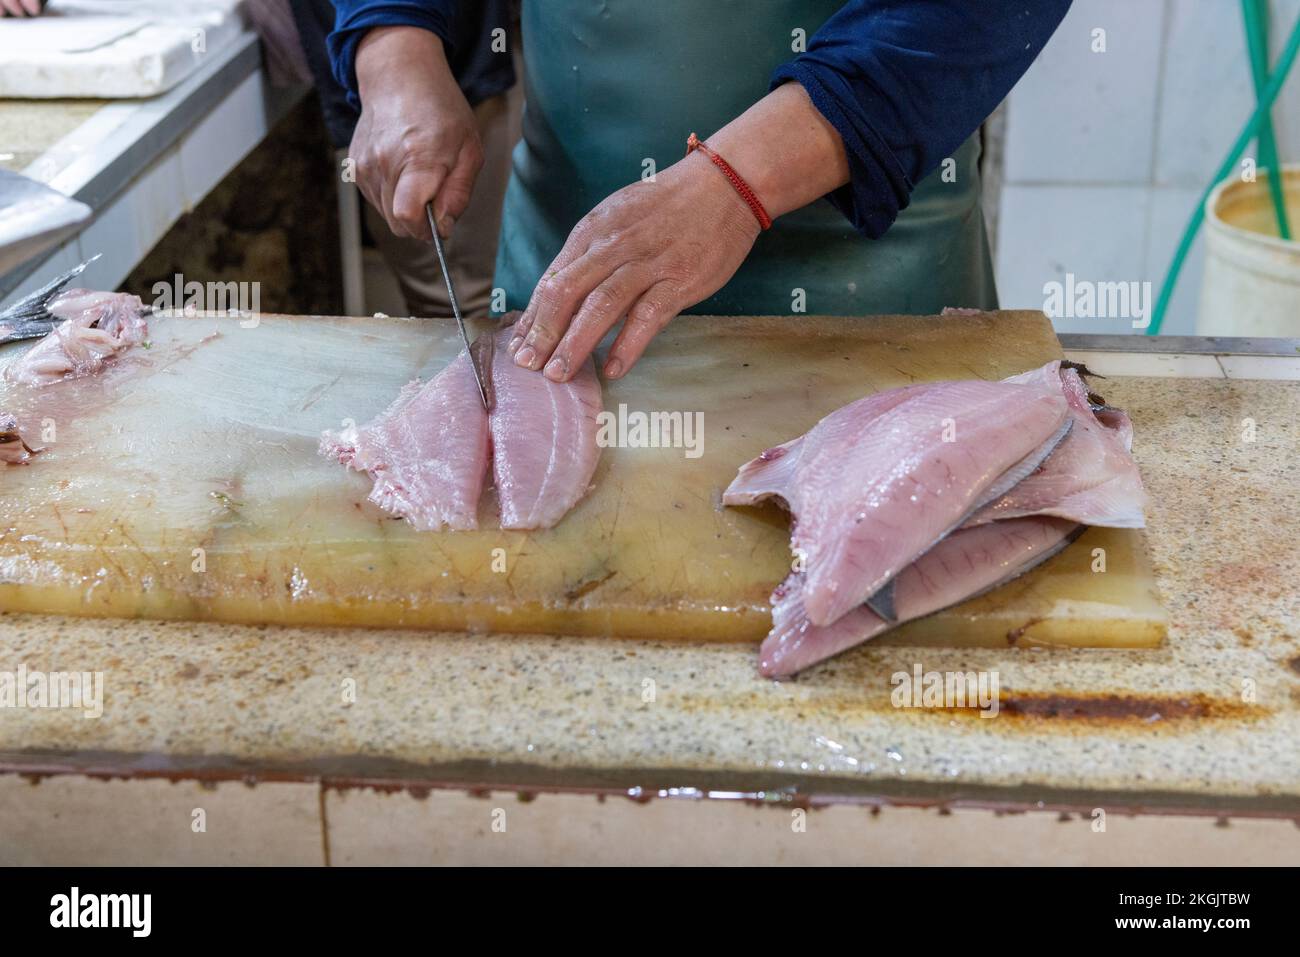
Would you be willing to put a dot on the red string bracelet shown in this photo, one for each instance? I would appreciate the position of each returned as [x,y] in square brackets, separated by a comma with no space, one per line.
[694,143]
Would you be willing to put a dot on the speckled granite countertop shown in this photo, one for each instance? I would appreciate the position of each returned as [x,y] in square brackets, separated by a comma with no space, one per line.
[1209,722]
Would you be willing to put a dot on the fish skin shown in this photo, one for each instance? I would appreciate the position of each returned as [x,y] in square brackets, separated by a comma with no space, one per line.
[966,563]
[544,449]
[909,487]
[98,326]
[1090,478]
[427,452]
[13,450]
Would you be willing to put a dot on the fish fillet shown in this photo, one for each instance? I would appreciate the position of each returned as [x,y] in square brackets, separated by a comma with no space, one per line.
[427,452]
[966,563]
[1090,478]
[544,450]
[97,327]
[876,484]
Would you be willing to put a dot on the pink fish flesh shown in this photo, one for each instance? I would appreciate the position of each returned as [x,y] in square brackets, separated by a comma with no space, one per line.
[1087,478]
[98,326]
[1090,477]
[879,482]
[966,563]
[544,450]
[428,452]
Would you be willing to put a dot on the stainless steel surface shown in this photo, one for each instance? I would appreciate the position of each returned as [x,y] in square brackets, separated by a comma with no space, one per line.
[29,318]
[1180,345]
[33,218]
[455,305]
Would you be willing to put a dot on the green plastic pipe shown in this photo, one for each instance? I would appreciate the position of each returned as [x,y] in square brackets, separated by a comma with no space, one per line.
[1255,13]
[1248,133]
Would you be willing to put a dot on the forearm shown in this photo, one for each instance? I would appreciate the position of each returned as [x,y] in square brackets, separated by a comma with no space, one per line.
[785,149]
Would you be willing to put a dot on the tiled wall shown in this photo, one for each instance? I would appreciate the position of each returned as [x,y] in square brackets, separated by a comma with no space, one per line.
[1107,153]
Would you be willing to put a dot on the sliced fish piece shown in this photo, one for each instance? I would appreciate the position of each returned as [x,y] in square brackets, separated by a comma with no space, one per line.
[877,483]
[427,452]
[98,326]
[544,450]
[1091,477]
[965,564]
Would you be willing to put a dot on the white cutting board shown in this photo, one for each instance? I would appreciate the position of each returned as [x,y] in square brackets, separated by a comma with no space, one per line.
[109,49]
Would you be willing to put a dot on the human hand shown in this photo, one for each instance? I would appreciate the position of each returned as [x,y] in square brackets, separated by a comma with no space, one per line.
[646,252]
[417,139]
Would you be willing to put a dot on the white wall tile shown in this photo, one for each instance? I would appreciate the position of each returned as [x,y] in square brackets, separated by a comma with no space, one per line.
[1206,92]
[1171,207]
[1080,116]
[1095,232]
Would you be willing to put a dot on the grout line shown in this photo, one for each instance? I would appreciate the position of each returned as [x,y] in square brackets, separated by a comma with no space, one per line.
[324,823]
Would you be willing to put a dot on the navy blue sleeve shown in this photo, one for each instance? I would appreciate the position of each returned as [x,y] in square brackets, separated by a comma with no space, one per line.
[353,18]
[905,82]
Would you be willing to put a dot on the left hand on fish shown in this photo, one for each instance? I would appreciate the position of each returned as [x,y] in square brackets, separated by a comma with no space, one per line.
[655,248]
[647,252]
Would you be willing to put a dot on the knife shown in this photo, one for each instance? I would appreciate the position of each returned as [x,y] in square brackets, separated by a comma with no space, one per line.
[455,306]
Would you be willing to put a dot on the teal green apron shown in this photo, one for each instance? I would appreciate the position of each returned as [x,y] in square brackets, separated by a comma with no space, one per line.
[612,83]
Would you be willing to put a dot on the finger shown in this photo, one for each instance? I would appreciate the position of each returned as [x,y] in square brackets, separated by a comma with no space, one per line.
[520,331]
[555,301]
[655,309]
[414,187]
[603,307]
[11,8]
[575,246]
[454,195]
[33,7]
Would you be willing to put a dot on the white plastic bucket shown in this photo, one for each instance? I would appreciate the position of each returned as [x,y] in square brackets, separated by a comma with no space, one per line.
[1251,285]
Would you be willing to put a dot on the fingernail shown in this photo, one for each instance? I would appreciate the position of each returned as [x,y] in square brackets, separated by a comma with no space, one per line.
[554,370]
[613,369]
[525,356]
[514,345]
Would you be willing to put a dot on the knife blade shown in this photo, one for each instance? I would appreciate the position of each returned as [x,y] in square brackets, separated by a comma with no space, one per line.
[455,305]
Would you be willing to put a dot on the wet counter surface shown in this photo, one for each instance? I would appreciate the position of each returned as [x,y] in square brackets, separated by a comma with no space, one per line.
[1209,722]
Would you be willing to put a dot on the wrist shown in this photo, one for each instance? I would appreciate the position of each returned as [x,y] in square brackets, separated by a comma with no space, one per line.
[700,175]
[388,55]
[785,150]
